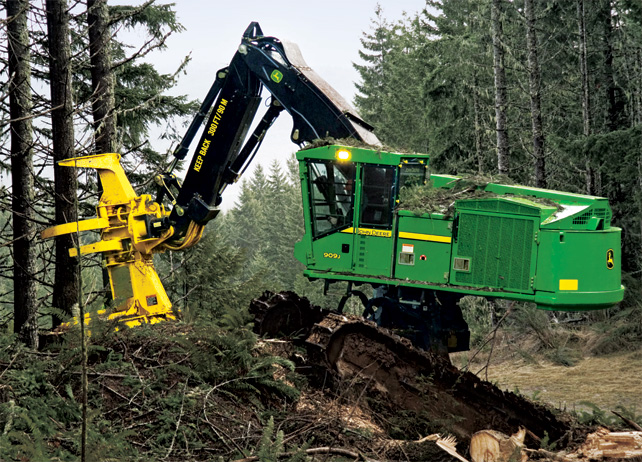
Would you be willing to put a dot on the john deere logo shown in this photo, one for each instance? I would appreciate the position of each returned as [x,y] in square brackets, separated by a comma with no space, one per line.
[610,264]
[276,75]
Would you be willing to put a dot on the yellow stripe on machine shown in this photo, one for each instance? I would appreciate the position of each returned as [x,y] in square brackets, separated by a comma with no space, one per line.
[568,284]
[426,237]
[369,232]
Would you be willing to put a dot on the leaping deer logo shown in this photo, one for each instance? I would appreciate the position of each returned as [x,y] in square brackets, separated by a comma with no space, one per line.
[610,264]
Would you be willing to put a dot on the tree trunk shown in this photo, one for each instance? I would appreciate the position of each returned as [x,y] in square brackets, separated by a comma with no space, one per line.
[478,129]
[22,175]
[101,77]
[501,99]
[535,95]
[609,81]
[639,204]
[586,96]
[103,102]
[637,119]
[65,294]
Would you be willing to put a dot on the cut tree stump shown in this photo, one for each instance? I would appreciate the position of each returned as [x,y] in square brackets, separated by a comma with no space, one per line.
[494,446]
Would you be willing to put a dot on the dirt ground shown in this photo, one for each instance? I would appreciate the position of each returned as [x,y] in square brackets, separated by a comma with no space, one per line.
[606,381]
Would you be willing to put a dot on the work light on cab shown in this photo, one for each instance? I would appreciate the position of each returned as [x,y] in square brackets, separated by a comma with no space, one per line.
[343,155]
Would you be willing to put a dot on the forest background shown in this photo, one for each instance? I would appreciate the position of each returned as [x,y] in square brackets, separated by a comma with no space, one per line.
[548,93]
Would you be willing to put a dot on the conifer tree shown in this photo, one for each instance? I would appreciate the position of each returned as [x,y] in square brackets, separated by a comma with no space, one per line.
[501,98]
[535,94]
[374,84]
[66,281]
[22,174]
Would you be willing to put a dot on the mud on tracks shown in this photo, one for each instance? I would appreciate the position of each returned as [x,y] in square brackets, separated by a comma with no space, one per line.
[341,348]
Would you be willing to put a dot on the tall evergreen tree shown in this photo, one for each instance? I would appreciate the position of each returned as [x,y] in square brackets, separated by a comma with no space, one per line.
[535,95]
[102,84]
[22,174]
[374,85]
[102,78]
[65,292]
[501,98]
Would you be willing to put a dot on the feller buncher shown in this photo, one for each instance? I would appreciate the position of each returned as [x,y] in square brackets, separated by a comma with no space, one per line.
[555,249]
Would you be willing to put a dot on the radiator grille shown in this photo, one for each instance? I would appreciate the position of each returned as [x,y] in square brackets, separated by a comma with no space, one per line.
[499,249]
[598,213]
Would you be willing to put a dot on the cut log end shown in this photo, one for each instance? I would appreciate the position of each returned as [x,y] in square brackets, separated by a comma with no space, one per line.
[494,446]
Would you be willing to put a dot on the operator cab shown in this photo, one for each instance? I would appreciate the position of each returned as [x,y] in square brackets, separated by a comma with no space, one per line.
[336,185]
[349,197]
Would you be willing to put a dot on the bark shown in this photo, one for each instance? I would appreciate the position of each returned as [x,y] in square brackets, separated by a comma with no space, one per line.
[65,293]
[609,80]
[501,99]
[535,96]
[103,102]
[639,202]
[22,175]
[478,129]
[637,119]
[102,80]
[586,96]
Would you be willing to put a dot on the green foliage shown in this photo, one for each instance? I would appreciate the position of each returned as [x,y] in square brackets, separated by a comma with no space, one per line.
[594,415]
[270,449]
[145,385]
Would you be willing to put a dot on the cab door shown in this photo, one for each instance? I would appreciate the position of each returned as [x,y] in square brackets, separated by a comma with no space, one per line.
[331,202]
[373,240]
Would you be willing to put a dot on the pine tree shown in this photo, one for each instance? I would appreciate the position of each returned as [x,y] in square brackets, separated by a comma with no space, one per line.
[102,78]
[535,95]
[501,98]
[65,292]
[22,174]
[374,86]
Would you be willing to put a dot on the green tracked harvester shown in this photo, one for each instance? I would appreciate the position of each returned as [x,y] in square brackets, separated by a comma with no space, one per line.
[422,255]
[555,249]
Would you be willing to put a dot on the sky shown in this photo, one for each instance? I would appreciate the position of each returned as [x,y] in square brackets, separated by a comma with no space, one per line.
[327,32]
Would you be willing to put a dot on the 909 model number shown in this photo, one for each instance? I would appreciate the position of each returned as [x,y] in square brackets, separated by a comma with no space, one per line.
[331,255]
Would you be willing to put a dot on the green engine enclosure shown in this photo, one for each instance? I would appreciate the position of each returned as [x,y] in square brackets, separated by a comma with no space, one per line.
[552,248]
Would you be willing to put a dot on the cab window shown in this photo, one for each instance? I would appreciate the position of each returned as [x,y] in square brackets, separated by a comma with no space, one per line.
[377,197]
[331,196]
[412,173]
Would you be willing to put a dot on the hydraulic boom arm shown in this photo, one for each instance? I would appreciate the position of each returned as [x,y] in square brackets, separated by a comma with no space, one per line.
[133,227]
[223,153]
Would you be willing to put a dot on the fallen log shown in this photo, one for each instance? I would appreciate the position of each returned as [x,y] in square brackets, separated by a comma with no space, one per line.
[494,446]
